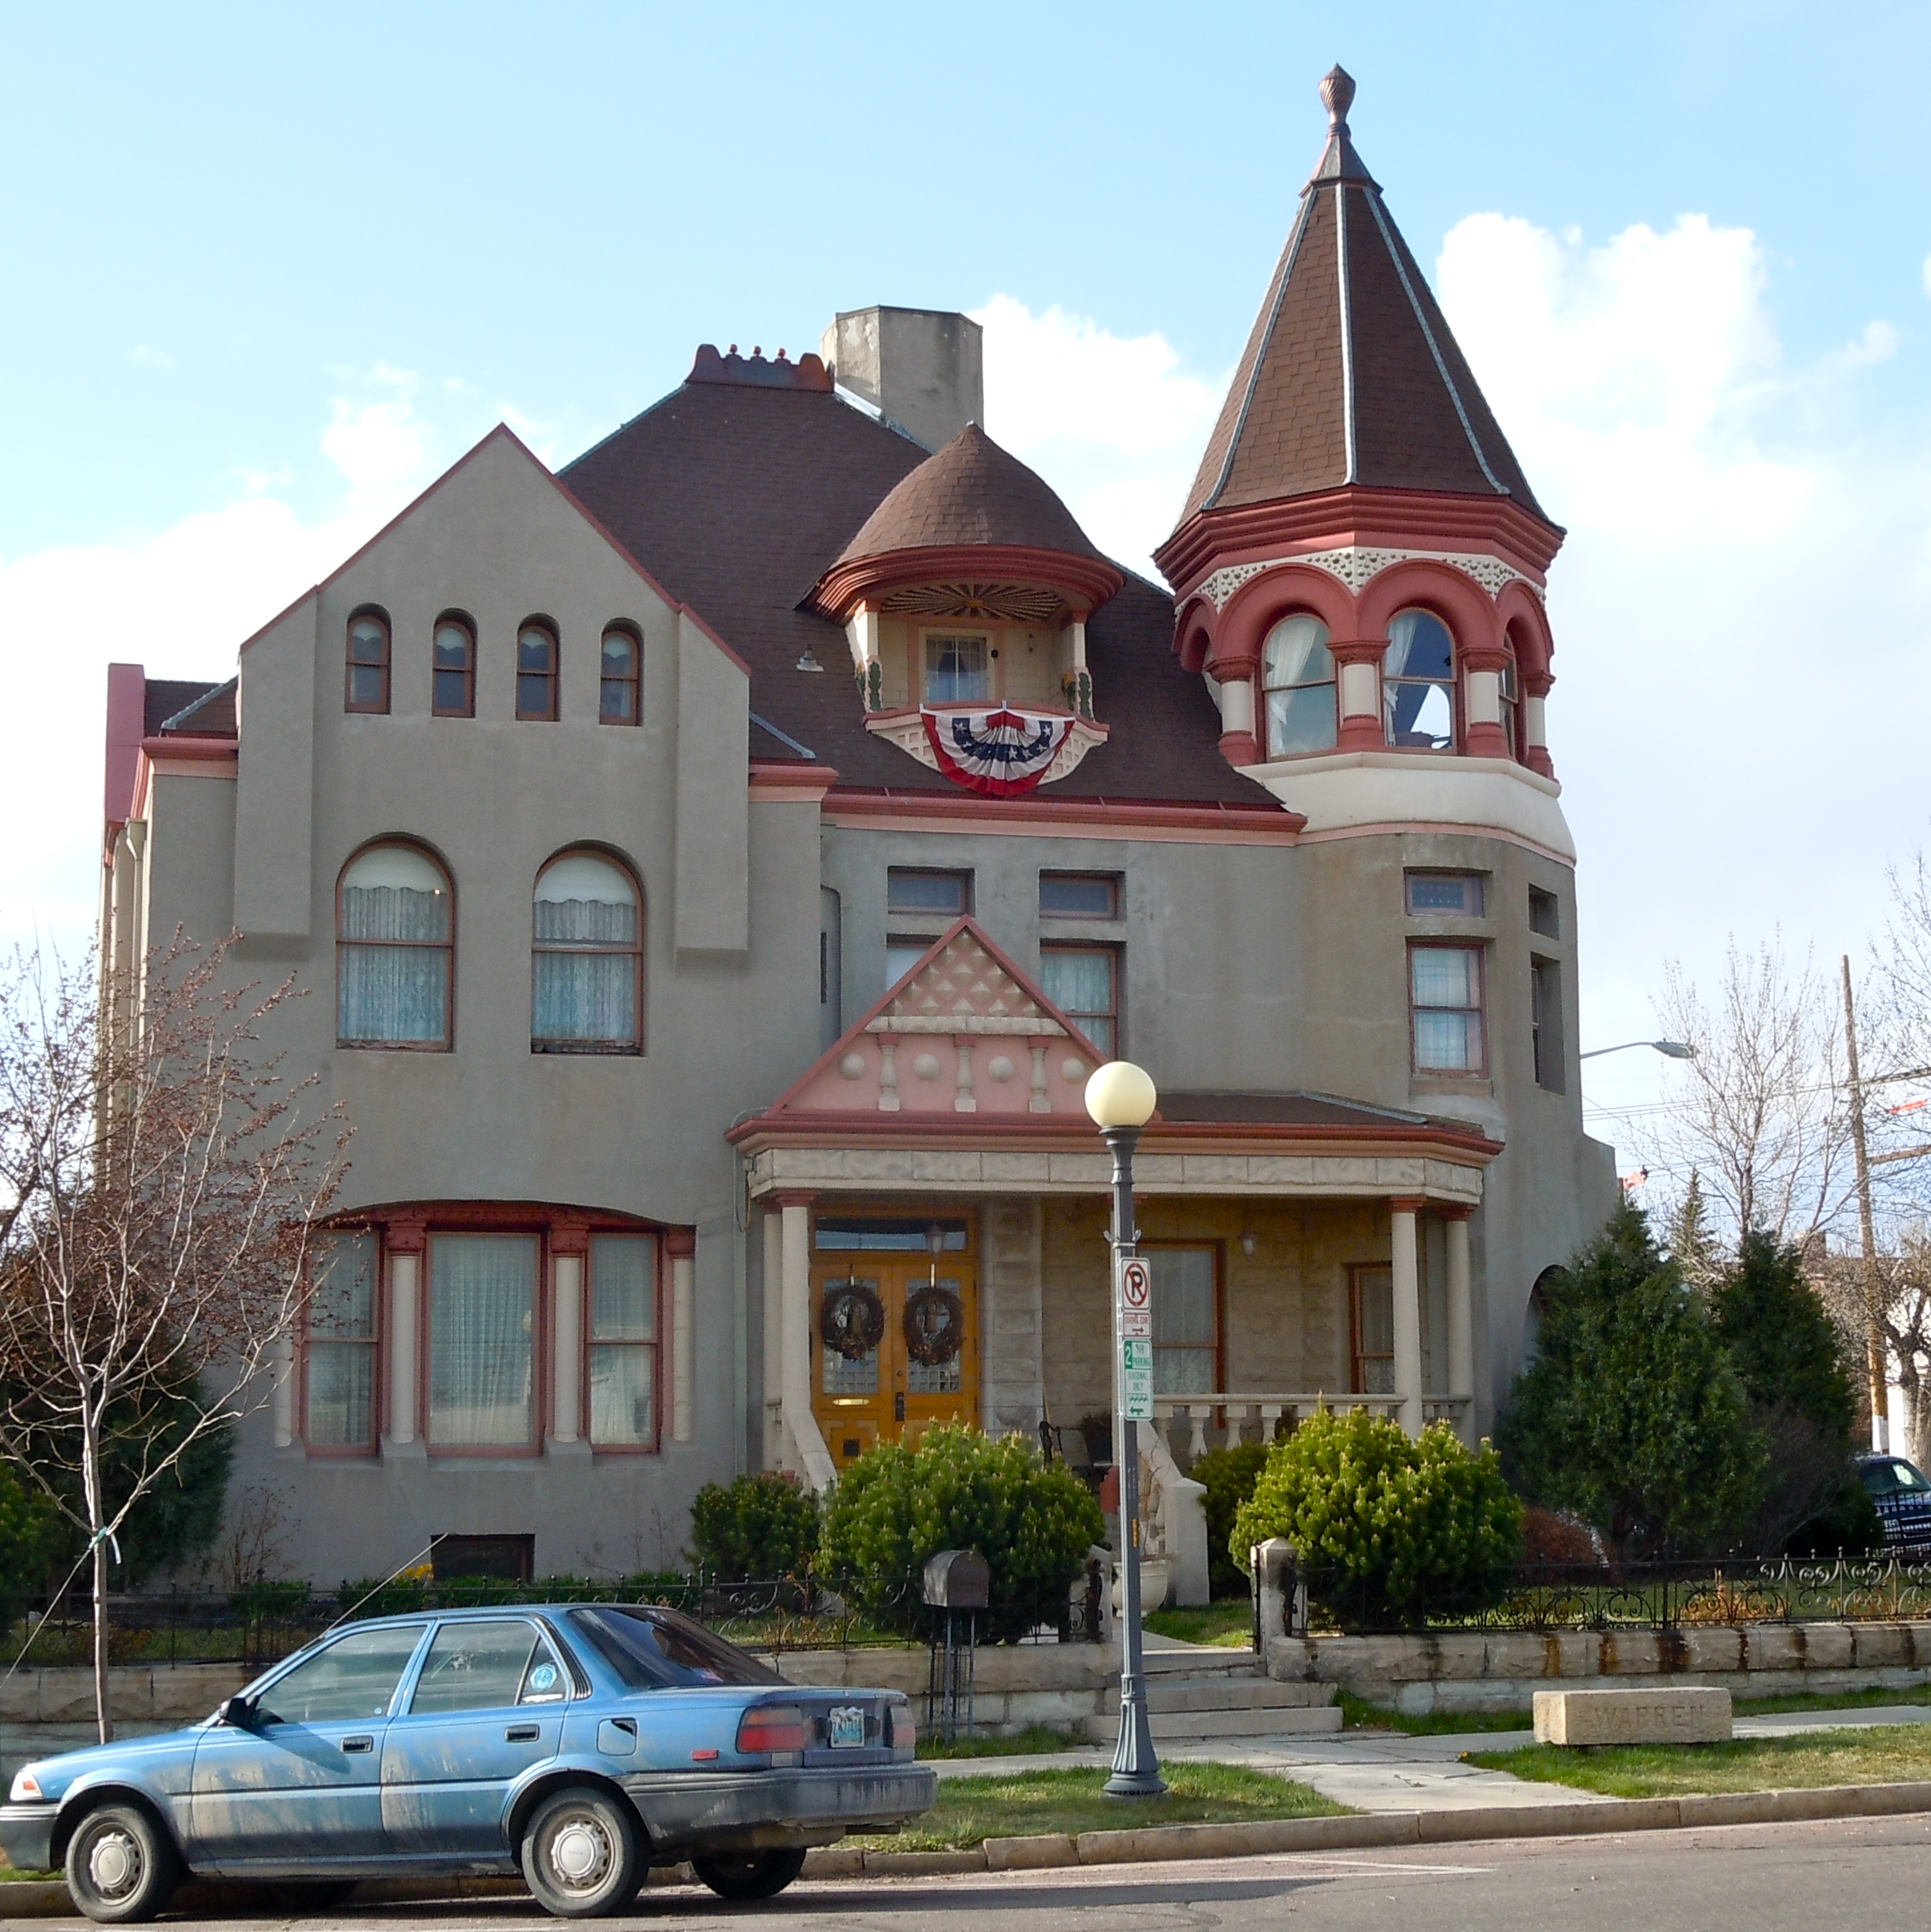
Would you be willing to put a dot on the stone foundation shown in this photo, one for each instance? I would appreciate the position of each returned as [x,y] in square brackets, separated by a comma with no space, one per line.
[1502,1670]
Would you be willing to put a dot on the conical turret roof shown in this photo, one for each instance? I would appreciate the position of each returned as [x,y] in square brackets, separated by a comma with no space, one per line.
[1351,375]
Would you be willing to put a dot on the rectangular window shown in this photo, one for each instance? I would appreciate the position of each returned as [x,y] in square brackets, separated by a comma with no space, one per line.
[482,1341]
[341,1365]
[1186,1320]
[958,670]
[623,1341]
[1546,1022]
[1372,1293]
[1079,896]
[1545,913]
[901,955]
[1083,982]
[1445,991]
[1434,894]
[926,895]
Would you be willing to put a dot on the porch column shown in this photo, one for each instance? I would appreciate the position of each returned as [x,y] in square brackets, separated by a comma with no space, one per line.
[568,1247]
[1461,1318]
[281,1359]
[814,1459]
[774,1339]
[682,1244]
[405,1245]
[1407,1272]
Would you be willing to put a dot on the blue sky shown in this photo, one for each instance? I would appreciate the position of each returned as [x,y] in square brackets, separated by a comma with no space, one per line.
[268,272]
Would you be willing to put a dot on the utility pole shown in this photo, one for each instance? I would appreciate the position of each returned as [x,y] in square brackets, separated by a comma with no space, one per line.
[1874,1348]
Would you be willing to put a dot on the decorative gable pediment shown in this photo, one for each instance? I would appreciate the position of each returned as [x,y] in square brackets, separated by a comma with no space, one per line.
[964,1032]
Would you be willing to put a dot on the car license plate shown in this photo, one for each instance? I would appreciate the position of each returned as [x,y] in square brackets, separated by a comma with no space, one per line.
[845,1726]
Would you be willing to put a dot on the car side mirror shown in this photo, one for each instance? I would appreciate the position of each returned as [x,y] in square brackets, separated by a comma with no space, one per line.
[238,1712]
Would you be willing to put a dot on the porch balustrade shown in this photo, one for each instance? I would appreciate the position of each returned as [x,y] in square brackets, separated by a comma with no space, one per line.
[1267,1411]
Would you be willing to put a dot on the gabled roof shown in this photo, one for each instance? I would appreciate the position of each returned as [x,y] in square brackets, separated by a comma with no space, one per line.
[1351,375]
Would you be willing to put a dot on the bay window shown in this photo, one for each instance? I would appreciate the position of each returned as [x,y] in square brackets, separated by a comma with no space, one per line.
[340,1371]
[623,1345]
[1418,683]
[482,1341]
[1297,677]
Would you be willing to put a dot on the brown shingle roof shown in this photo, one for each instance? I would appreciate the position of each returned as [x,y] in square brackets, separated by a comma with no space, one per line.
[188,707]
[1351,375]
[738,499]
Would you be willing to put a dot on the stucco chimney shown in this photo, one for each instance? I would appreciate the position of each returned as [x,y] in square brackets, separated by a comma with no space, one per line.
[922,369]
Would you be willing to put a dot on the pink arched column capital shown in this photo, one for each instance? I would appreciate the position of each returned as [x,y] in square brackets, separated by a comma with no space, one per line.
[1358,696]
[1240,742]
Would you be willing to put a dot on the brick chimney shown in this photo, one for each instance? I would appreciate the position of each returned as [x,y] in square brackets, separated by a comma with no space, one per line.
[922,369]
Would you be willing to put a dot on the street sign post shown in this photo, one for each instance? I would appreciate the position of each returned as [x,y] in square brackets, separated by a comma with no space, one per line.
[1133,1337]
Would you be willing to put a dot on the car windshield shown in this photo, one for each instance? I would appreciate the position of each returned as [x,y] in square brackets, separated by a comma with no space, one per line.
[659,1650]
[1908,1476]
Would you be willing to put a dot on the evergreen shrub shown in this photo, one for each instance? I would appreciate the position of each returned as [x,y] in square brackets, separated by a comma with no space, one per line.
[1389,1529]
[763,1526]
[1229,1476]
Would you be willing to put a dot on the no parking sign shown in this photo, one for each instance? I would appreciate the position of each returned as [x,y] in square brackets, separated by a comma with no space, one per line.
[1133,1323]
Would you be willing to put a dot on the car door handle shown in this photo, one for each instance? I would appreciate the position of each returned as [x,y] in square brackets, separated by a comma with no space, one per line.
[521,1734]
[352,1745]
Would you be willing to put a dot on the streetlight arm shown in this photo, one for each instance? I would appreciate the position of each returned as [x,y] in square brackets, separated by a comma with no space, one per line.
[1670,1049]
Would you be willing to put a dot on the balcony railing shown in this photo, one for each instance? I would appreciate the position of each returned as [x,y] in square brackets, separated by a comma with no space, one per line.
[1239,1414]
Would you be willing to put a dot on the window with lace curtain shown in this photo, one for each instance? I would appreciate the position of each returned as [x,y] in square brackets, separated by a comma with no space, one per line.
[587,967]
[483,1304]
[395,950]
[339,1377]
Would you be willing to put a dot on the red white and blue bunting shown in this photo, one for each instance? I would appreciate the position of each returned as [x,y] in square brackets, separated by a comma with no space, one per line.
[1000,751]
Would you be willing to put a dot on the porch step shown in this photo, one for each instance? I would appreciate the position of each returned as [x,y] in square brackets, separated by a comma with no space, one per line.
[1195,1695]
[1202,1660]
[1236,1693]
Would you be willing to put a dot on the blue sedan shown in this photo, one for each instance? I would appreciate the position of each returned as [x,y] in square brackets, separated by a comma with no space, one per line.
[578,1744]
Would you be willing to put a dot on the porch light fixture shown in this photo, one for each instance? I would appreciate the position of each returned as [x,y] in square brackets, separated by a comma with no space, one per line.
[1121,1097]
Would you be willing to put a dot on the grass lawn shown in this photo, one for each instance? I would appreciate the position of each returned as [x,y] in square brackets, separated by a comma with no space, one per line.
[1228,1624]
[1032,1742]
[1886,1754]
[1829,1700]
[971,1809]
[1357,1713]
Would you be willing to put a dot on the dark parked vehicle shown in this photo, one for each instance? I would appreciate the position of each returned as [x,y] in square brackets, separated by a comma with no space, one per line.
[1902,1494]
[580,1744]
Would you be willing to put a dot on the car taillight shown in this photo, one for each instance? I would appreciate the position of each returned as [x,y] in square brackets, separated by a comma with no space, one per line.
[773,1727]
[904,1732]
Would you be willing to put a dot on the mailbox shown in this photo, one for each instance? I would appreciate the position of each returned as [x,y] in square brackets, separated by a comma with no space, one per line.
[958,1579]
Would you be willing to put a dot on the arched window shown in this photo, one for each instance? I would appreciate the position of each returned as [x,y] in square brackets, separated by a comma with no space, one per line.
[454,677]
[368,688]
[620,699]
[1418,682]
[1511,710]
[395,950]
[536,672]
[587,978]
[1298,675]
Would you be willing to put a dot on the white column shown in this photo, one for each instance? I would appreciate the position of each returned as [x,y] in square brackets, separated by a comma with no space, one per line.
[683,1308]
[815,1459]
[282,1368]
[1237,705]
[774,1340]
[1461,1320]
[1485,698]
[1408,1313]
[566,1353]
[405,1288]
[1535,719]
[1360,690]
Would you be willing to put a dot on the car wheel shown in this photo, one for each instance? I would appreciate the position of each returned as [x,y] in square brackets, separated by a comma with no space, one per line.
[749,1874]
[121,1865]
[581,1855]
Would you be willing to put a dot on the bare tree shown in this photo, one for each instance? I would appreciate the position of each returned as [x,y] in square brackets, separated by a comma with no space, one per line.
[1903,1312]
[1763,1120]
[160,1184]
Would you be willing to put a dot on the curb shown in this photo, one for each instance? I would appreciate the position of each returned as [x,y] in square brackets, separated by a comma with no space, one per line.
[1161,1843]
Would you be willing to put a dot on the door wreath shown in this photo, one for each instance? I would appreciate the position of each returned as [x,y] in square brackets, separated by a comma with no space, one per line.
[935,1325]
[851,1320]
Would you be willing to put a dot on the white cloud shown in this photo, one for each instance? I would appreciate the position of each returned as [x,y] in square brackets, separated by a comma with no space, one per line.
[180,604]
[1114,422]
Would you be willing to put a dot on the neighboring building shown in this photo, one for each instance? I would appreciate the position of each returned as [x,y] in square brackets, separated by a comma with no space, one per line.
[717,867]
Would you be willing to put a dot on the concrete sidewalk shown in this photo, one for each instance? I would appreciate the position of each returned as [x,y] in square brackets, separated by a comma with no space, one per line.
[1375,1770]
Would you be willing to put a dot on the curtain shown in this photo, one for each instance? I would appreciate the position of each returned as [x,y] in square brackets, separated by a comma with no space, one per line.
[1079,983]
[583,994]
[1184,1329]
[623,1324]
[482,1329]
[341,1347]
[1376,1288]
[396,991]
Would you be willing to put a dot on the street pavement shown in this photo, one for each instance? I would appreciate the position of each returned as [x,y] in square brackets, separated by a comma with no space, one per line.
[1872,1874]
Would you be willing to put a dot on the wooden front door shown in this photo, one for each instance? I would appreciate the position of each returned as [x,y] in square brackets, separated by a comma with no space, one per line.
[894,1348]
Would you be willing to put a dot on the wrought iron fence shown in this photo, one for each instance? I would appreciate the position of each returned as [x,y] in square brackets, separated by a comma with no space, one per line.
[1729,1591]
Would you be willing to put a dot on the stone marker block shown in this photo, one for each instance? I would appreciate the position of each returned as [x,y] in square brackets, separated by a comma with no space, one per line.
[1676,1714]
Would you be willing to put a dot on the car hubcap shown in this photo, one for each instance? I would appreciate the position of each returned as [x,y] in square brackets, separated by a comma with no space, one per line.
[113,1864]
[580,1852]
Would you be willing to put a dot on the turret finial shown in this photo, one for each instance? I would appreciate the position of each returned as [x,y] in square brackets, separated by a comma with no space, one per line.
[1337,94]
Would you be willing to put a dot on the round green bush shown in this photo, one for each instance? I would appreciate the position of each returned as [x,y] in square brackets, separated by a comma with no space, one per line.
[959,1489]
[1229,1476]
[761,1526]
[1391,1531]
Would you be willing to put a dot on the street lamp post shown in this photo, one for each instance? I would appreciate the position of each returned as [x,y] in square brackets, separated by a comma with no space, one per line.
[1670,1049]
[1120,1098]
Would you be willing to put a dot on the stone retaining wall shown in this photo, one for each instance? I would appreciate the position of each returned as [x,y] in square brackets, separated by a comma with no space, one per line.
[1014,1685]
[1452,1671]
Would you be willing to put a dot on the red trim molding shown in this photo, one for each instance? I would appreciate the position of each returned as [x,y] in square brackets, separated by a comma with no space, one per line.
[1249,824]
[680,1244]
[1406,1204]
[1085,582]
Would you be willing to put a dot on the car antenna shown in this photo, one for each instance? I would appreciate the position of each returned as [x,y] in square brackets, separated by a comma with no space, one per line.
[408,1563]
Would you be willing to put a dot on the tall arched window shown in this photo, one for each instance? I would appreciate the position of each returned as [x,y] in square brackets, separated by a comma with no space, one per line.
[395,950]
[454,694]
[1298,675]
[586,977]
[536,672]
[368,673]
[620,697]
[1418,683]
[1511,704]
